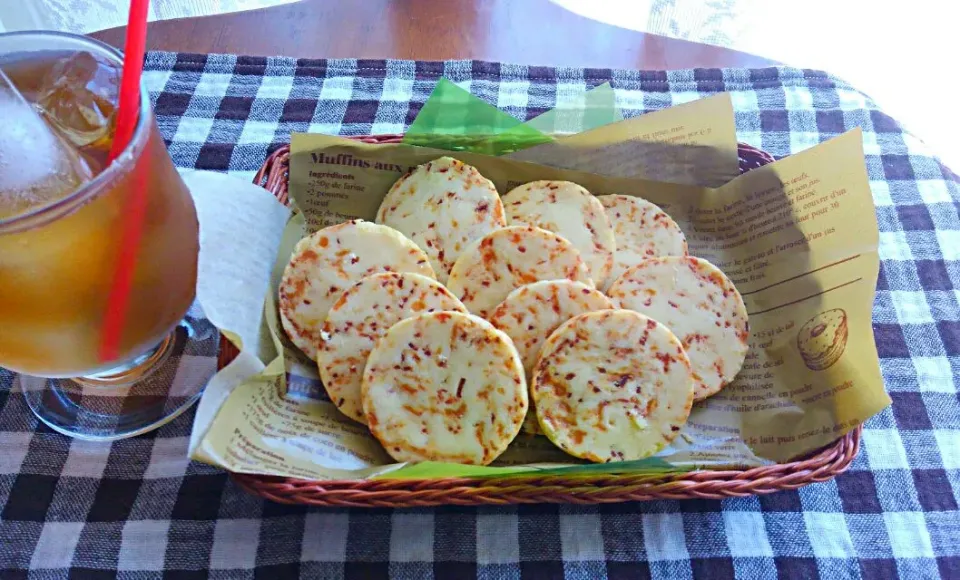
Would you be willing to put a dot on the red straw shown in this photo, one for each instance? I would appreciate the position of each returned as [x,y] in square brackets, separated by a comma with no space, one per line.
[136,201]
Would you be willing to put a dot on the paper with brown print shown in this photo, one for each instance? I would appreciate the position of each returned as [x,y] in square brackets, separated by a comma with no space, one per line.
[693,143]
[798,238]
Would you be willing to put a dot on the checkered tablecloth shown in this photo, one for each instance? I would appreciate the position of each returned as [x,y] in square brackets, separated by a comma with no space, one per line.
[139,509]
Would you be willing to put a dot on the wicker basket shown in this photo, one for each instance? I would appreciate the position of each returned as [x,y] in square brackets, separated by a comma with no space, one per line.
[708,484]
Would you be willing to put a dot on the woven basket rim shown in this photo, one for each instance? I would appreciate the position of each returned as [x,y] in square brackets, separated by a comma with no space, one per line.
[821,465]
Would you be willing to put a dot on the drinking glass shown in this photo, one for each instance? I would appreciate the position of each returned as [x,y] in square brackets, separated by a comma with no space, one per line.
[62,213]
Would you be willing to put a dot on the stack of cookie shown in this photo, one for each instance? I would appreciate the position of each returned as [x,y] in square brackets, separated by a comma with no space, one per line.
[460,318]
[822,339]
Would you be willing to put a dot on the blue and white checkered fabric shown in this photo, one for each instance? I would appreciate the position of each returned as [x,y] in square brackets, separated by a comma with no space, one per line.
[138,509]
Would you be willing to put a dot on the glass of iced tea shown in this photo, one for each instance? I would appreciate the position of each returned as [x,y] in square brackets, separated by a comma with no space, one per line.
[61,222]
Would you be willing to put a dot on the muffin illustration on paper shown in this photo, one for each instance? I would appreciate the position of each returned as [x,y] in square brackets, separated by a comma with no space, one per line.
[821,339]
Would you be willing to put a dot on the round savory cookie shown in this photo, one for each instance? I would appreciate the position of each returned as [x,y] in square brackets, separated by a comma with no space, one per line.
[612,385]
[444,386]
[443,206]
[695,300]
[642,230]
[326,263]
[362,315]
[508,258]
[531,313]
[573,212]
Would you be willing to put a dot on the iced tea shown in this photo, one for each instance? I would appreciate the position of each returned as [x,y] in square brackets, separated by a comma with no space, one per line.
[61,217]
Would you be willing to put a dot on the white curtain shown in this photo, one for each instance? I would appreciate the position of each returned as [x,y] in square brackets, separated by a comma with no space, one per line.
[902,54]
[84,16]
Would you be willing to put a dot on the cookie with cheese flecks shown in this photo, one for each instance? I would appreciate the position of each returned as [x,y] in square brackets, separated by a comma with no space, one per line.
[508,258]
[444,386]
[697,301]
[326,263]
[567,209]
[612,385]
[642,230]
[360,317]
[443,206]
[531,313]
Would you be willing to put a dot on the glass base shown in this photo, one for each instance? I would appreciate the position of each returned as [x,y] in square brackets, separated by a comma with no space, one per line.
[134,398]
